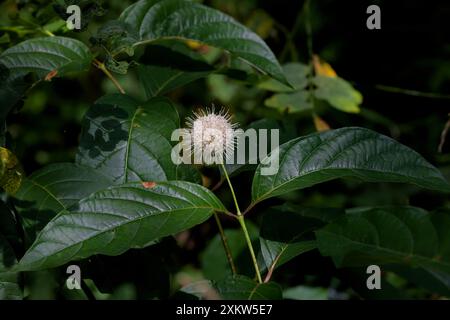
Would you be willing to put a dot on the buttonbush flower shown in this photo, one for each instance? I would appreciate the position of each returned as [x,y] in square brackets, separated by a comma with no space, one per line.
[212,135]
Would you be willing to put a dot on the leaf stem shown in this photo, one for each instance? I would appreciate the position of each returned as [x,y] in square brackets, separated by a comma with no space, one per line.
[225,244]
[100,65]
[241,220]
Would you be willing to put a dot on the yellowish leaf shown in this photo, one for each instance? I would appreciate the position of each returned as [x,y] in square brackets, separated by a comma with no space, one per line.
[11,171]
[323,68]
[320,124]
[197,46]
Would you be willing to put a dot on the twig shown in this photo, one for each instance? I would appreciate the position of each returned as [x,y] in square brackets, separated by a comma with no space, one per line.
[412,92]
[444,135]
[225,244]
[100,65]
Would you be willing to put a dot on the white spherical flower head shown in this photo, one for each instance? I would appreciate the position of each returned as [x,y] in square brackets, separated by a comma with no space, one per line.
[212,135]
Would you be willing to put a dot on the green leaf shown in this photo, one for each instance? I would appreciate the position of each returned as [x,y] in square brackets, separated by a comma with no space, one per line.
[43,55]
[243,288]
[347,152]
[214,262]
[291,102]
[53,189]
[338,93]
[295,73]
[286,232]
[114,220]
[9,287]
[130,141]
[151,20]
[170,66]
[388,235]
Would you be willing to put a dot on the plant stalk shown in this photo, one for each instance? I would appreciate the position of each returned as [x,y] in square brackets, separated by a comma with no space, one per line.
[241,220]
[100,65]
[225,244]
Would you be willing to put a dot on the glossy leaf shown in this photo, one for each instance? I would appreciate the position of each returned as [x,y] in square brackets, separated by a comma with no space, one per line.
[151,20]
[53,189]
[389,235]
[43,55]
[243,288]
[347,152]
[131,141]
[113,220]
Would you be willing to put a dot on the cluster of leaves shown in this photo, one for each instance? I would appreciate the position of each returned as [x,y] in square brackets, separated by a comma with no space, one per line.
[123,192]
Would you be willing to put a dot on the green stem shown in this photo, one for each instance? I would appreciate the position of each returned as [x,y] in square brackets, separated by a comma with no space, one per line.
[241,220]
[225,243]
[250,247]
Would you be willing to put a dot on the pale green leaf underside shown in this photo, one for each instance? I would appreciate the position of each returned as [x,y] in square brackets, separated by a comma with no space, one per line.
[347,152]
[113,220]
[150,20]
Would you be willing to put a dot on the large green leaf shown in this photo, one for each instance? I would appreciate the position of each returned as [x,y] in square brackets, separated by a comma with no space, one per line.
[286,232]
[243,288]
[151,20]
[170,66]
[52,189]
[347,152]
[9,287]
[113,220]
[390,235]
[43,55]
[130,141]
